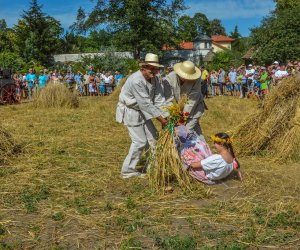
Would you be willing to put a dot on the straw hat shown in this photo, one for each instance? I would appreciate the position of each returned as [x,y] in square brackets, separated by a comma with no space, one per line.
[187,70]
[151,59]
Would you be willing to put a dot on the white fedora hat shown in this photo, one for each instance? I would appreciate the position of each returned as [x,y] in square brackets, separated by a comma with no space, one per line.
[187,70]
[151,59]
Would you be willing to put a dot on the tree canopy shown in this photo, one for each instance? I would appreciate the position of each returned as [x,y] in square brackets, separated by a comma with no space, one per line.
[37,34]
[277,38]
[216,27]
[139,26]
[136,25]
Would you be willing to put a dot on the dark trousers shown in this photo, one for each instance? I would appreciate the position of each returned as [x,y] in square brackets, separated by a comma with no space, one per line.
[204,89]
[86,89]
[244,90]
[221,87]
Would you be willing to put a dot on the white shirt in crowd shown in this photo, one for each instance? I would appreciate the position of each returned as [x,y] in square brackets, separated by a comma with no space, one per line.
[108,79]
[250,71]
[281,73]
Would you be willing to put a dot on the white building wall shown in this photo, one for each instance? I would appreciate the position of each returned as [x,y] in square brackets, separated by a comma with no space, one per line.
[78,57]
[191,55]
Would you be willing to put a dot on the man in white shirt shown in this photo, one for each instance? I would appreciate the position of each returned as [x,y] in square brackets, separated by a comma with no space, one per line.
[281,73]
[250,71]
[86,83]
[108,80]
[140,101]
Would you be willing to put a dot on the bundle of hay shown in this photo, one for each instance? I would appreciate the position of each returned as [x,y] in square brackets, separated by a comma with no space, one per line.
[56,95]
[165,165]
[8,146]
[274,130]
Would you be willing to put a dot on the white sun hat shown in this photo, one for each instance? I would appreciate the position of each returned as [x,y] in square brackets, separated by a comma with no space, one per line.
[151,59]
[276,62]
[187,70]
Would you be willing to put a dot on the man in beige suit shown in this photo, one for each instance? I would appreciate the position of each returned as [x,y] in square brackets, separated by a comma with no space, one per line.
[185,80]
[140,101]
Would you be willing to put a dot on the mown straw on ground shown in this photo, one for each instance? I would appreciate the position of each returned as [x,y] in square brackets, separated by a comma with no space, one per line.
[65,191]
[8,146]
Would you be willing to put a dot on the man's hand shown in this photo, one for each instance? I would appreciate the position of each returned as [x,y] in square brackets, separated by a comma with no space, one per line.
[162,120]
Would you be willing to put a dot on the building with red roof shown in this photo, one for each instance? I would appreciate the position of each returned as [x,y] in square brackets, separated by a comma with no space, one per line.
[201,49]
[194,51]
[221,43]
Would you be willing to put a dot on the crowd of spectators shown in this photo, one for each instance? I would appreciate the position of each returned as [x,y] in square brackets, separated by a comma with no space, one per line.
[246,81]
[90,83]
[243,81]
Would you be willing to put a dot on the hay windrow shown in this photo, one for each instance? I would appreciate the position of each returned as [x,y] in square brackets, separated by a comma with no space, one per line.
[56,95]
[8,146]
[274,129]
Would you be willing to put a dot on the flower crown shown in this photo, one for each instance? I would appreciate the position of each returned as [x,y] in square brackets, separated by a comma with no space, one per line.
[220,140]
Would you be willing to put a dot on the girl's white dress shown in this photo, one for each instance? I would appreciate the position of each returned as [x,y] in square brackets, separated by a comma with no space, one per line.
[216,168]
[192,149]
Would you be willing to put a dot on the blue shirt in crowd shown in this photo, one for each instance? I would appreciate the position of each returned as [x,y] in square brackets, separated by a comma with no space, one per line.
[42,81]
[232,76]
[30,78]
[77,78]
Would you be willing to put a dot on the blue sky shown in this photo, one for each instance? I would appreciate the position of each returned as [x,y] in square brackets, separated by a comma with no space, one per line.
[244,13]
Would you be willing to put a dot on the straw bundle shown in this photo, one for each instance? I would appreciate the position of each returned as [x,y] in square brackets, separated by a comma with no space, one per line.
[56,95]
[274,130]
[8,147]
[165,165]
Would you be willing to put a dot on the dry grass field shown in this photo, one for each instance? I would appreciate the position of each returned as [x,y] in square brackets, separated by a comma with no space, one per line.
[64,190]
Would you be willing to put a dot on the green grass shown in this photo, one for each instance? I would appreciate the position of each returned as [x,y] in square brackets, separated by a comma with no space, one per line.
[65,188]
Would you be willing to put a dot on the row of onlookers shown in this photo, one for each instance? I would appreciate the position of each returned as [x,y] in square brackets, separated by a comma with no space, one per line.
[246,81]
[88,83]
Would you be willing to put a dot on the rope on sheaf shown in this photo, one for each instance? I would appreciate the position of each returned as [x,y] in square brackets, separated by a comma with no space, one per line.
[171,127]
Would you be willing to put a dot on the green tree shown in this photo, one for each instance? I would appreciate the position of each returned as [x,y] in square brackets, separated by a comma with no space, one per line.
[3,25]
[235,34]
[217,28]
[225,59]
[108,60]
[187,30]
[220,60]
[11,60]
[37,35]
[284,4]
[73,43]
[277,38]
[190,27]
[137,25]
[241,44]
[6,37]
[202,24]
[79,26]
[100,39]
